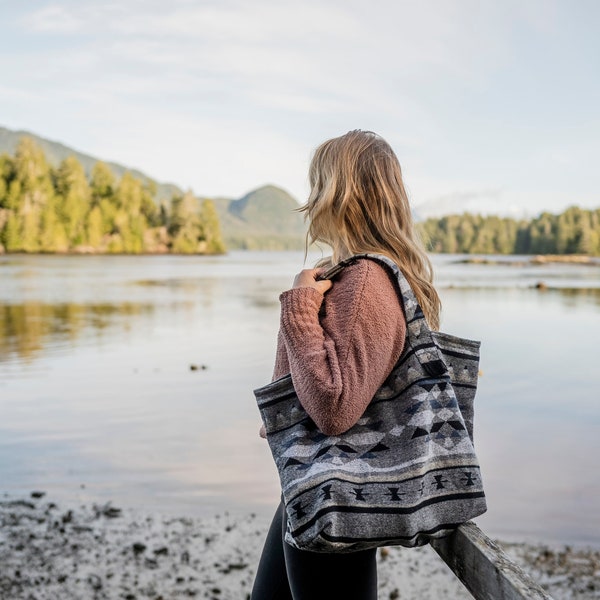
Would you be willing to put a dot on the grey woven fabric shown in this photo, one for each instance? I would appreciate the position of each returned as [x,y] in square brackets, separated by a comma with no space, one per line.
[407,471]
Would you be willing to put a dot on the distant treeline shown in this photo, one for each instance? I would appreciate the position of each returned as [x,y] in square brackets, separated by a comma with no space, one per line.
[46,209]
[59,209]
[574,231]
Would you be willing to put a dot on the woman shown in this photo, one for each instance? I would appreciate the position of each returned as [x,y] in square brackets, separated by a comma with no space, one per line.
[341,340]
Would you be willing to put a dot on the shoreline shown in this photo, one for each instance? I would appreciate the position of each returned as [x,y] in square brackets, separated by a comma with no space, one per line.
[531,260]
[51,550]
[475,258]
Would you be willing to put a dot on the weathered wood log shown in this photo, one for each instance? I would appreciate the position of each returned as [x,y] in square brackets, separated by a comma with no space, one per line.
[484,568]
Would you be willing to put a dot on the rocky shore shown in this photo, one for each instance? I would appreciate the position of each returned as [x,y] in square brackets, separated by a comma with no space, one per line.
[98,552]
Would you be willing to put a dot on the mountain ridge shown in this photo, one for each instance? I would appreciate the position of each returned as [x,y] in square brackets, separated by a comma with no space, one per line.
[56,151]
[265,218]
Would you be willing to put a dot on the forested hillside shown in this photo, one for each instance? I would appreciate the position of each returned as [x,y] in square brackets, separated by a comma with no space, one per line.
[574,231]
[56,152]
[60,209]
[264,219]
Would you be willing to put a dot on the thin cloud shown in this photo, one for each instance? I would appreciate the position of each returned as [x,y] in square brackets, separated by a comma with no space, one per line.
[54,19]
[247,88]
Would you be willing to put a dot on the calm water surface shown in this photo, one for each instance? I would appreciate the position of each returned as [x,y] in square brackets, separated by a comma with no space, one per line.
[98,400]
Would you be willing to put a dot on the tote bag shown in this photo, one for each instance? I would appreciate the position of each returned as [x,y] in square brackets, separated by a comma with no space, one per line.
[407,471]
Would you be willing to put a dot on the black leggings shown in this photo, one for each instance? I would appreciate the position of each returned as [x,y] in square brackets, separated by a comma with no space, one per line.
[286,573]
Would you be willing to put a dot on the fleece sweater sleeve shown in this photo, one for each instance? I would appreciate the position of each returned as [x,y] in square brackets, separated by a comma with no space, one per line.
[340,348]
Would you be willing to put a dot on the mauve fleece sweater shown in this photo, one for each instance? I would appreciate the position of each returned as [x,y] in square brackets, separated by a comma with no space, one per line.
[340,347]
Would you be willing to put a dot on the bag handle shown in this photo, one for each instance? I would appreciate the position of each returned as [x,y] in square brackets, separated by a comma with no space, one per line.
[419,335]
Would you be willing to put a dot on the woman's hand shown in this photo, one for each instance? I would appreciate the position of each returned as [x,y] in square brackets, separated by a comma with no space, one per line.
[263,432]
[308,278]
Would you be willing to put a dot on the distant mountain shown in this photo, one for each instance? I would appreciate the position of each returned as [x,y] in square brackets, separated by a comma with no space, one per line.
[56,152]
[264,219]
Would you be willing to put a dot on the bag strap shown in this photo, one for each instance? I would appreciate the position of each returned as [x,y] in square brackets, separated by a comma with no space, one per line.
[418,334]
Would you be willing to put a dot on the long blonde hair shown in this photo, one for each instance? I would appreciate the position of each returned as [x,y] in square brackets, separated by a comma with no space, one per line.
[358,203]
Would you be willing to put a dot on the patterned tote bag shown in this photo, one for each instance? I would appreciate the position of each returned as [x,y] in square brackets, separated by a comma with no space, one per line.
[407,471]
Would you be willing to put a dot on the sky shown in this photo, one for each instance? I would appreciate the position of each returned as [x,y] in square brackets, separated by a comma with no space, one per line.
[490,106]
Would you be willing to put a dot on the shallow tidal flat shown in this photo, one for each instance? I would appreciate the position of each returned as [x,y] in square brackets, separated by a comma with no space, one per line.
[54,551]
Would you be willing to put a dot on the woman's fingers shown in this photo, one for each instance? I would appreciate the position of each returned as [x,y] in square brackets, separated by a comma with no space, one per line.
[308,278]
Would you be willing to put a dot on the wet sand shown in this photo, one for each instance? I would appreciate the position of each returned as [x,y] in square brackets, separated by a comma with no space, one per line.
[63,552]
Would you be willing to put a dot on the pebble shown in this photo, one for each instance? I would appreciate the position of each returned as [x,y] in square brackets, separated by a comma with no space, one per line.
[51,550]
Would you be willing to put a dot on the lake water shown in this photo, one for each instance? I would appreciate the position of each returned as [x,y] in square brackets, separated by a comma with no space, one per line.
[98,400]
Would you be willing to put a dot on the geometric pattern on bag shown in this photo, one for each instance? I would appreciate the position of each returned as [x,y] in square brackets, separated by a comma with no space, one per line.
[407,471]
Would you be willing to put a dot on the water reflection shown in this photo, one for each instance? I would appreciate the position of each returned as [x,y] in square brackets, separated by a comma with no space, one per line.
[173,283]
[27,329]
[112,403]
[259,292]
[573,296]
[570,296]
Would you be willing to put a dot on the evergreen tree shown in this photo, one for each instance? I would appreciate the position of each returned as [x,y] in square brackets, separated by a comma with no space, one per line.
[211,229]
[149,207]
[543,234]
[574,231]
[42,210]
[95,230]
[102,182]
[12,198]
[185,227]
[484,240]
[129,223]
[448,226]
[129,194]
[465,233]
[32,175]
[74,195]
[53,237]
[523,239]
[11,234]
[6,169]
[595,225]
[108,211]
